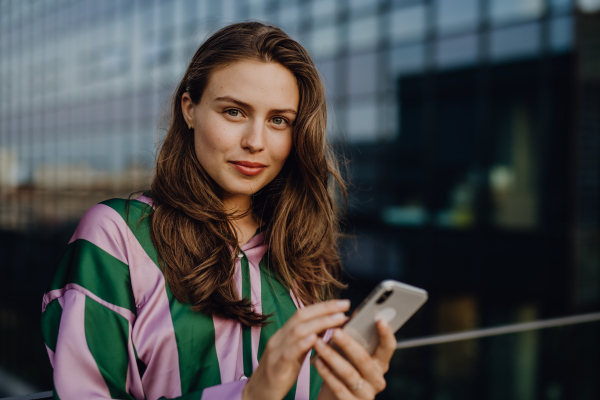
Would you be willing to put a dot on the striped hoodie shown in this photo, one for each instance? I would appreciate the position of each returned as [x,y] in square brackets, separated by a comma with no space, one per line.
[114,330]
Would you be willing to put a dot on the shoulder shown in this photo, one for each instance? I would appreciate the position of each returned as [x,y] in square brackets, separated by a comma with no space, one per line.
[111,218]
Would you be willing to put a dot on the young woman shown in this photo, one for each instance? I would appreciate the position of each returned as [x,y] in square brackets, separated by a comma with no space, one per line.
[230,258]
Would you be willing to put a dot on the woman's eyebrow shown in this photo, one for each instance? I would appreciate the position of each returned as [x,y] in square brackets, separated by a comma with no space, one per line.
[248,106]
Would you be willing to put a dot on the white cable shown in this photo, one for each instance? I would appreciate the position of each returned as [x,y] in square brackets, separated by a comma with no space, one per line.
[500,330]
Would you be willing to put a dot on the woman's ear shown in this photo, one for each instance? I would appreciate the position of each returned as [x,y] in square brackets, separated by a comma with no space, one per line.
[187,108]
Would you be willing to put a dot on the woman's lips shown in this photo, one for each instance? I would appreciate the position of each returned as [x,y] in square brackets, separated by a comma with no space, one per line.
[248,168]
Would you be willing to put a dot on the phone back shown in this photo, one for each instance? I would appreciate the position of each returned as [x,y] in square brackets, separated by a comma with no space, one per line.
[393,301]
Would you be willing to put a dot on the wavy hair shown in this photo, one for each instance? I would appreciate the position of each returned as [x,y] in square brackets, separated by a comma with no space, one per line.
[191,230]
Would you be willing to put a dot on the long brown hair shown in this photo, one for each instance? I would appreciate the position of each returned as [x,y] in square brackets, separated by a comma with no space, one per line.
[192,232]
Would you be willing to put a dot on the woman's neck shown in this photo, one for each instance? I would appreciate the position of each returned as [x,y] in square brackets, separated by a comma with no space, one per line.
[246,226]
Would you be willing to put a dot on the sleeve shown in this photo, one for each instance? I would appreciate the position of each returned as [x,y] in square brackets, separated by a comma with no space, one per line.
[88,313]
[90,349]
[89,345]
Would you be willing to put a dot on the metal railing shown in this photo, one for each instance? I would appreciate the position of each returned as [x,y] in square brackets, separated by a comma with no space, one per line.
[439,339]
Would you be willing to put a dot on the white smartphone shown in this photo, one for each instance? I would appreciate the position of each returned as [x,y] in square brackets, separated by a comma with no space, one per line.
[392,301]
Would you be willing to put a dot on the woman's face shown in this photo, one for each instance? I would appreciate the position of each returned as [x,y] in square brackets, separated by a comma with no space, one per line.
[242,125]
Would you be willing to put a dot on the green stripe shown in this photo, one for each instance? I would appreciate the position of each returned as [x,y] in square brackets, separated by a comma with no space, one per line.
[107,335]
[140,364]
[89,266]
[194,332]
[51,323]
[195,336]
[276,300]
[246,330]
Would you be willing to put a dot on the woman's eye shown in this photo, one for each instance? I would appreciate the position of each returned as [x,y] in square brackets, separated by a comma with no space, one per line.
[278,121]
[233,113]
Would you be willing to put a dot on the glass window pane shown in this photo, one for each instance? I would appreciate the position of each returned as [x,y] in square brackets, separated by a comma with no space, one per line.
[515,42]
[289,16]
[453,15]
[362,73]
[455,51]
[328,68]
[561,6]
[407,59]
[324,42]
[360,7]
[511,10]
[561,34]
[363,33]
[407,23]
[361,125]
[323,9]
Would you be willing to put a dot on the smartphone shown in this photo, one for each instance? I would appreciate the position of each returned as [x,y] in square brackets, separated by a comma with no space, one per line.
[392,301]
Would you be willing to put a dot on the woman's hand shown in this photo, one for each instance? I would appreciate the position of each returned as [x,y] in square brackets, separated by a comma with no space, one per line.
[286,350]
[360,376]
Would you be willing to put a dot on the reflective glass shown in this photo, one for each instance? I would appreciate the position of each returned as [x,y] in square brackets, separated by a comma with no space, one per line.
[453,15]
[454,51]
[561,6]
[407,59]
[323,9]
[362,73]
[515,42]
[289,17]
[324,42]
[360,7]
[361,120]
[407,23]
[561,34]
[328,68]
[364,33]
[514,10]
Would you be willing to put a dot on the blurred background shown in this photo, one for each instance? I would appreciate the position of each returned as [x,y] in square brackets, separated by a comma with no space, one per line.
[472,128]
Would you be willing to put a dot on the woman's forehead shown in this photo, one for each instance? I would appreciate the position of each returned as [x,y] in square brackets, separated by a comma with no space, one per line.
[257,83]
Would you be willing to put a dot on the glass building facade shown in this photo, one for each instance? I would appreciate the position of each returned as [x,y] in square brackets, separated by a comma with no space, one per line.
[472,132]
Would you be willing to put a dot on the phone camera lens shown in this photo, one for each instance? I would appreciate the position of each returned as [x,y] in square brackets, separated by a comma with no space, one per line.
[384,296]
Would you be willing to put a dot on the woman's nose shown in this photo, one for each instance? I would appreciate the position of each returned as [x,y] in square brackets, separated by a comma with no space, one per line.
[254,137]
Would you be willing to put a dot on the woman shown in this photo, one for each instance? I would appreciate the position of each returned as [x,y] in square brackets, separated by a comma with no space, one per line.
[179,293]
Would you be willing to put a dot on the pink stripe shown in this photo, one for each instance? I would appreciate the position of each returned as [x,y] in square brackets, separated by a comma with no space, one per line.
[254,255]
[76,374]
[303,384]
[133,384]
[50,356]
[229,391]
[100,225]
[58,293]
[153,333]
[228,339]
[145,199]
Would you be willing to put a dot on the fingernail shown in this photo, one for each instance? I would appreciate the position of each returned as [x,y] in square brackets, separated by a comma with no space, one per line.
[318,363]
[337,334]
[320,344]
[343,304]
[338,316]
[310,338]
[384,323]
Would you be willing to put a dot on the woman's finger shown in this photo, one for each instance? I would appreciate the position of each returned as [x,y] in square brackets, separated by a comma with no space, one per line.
[345,371]
[387,345]
[316,325]
[360,358]
[319,310]
[337,387]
